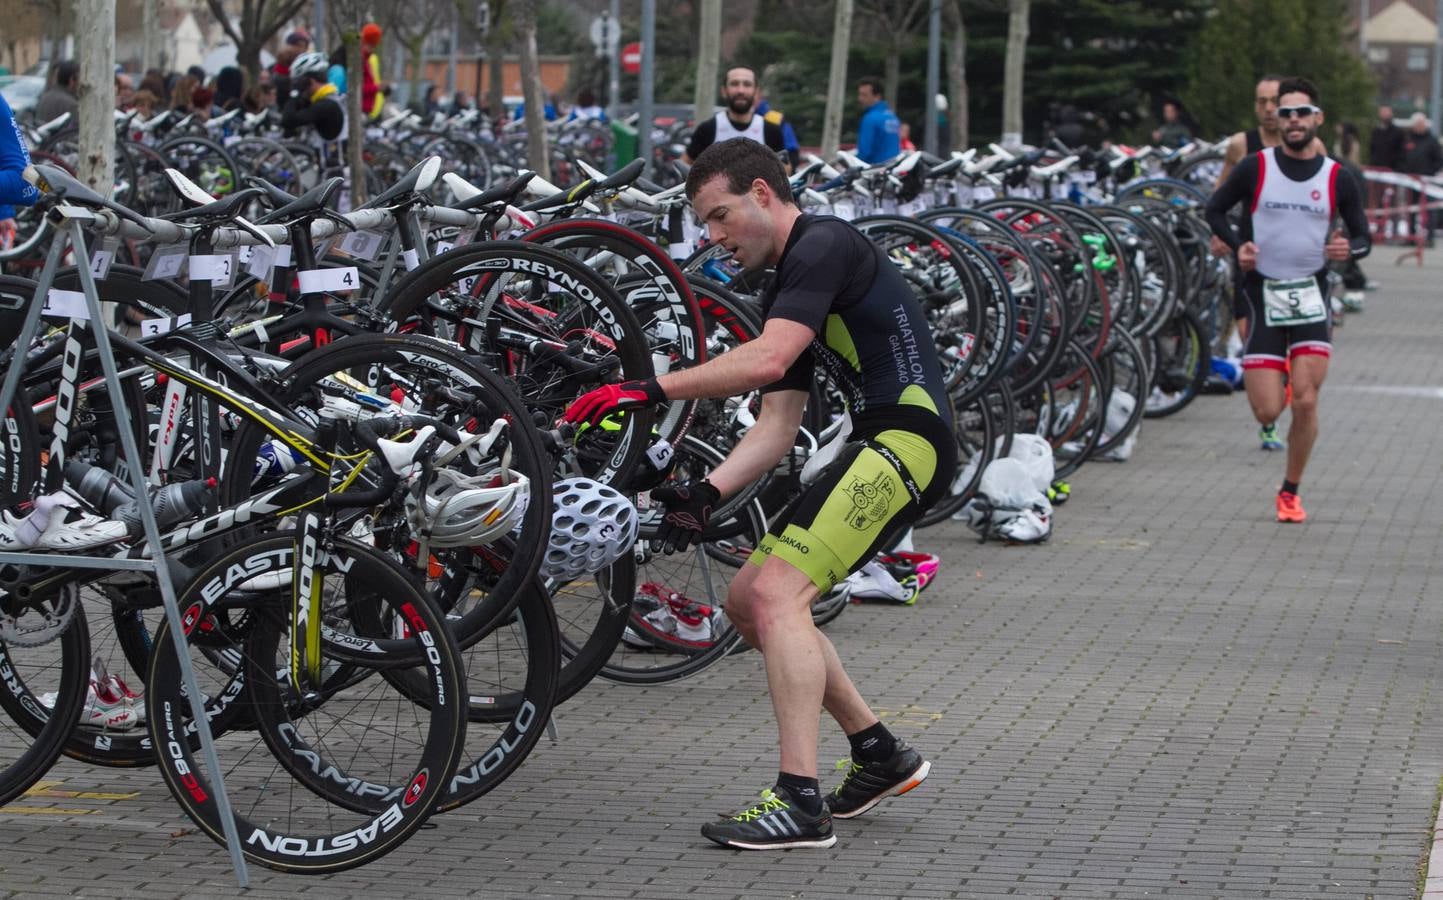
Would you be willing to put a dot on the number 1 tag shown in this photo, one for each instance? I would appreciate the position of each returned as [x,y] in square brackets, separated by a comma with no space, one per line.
[66,304]
[319,281]
[100,261]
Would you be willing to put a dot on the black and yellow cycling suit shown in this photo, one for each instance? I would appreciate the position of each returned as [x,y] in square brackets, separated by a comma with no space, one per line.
[873,340]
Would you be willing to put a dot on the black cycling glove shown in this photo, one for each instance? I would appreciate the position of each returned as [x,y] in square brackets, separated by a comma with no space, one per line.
[687,509]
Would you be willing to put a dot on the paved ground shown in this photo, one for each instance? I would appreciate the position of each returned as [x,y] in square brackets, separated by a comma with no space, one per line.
[1176,696]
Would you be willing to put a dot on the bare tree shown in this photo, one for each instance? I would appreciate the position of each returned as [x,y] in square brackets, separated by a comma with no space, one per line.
[837,79]
[95,47]
[537,153]
[897,21]
[58,20]
[709,52]
[956,40]
[347,17]
[259,20]
[497,39]
[493,41]
[411,23]
[1018,13]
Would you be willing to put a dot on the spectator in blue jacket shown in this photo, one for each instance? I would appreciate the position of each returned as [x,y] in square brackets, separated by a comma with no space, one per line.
[878,135]
[14,189]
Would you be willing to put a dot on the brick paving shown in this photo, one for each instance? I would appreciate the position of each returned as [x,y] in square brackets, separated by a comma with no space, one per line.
[1175,697]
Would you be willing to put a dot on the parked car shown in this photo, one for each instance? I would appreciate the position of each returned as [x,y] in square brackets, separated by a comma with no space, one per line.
[21,92]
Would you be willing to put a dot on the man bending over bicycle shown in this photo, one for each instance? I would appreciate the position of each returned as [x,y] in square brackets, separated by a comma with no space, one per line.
[835,300]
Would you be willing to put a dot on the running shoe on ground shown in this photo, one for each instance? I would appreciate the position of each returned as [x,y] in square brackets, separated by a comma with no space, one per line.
[662,619]
[1290,508]
[864,785]
[1268,434]
[774,824]
[104,708]
[1353,301]
[112,685]
[1059,492]
[875,581]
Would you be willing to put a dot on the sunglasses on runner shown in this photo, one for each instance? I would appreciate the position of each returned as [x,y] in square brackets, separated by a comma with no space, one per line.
[1293,112]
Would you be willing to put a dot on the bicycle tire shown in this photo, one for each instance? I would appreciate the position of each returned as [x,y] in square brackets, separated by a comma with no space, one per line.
[357,817]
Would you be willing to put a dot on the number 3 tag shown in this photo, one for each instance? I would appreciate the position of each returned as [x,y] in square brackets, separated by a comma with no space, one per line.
[319,281]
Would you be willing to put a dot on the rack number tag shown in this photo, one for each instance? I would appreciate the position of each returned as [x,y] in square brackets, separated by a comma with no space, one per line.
[319,281]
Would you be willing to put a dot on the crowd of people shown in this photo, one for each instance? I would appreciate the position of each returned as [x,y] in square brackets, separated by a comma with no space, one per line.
[202,94]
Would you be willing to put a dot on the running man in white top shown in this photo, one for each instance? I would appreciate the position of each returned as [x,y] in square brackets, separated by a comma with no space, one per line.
[1291,194]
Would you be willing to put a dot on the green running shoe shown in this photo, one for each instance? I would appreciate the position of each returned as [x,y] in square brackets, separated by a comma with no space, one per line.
[1268,434]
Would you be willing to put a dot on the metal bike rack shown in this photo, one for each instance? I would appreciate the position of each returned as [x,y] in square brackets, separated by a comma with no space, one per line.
[69,222]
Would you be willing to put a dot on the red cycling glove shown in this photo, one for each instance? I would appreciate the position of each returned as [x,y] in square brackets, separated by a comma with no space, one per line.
[593,406]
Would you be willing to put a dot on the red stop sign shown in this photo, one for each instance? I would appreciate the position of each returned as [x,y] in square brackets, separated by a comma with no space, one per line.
[631,58]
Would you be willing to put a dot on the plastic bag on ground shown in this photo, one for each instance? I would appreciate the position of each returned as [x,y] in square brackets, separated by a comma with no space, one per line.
[1035,454]
[1009,503]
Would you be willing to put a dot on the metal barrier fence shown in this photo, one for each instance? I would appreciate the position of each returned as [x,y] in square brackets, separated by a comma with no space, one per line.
[1401,208]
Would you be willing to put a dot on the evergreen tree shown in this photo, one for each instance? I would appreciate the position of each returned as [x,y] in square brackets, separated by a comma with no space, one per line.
[1244,39]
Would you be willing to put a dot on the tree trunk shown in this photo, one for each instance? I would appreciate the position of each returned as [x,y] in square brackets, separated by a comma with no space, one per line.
[837,79]
[1017,22]
[95,48]
[413,54]
[956,75]
[248,57]
[707,58]
[537,152]
[149,29]
[495,63]
[355,116]
[892,74]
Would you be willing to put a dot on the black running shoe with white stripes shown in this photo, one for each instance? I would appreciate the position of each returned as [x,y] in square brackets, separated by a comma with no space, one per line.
[866,784]
[774,824]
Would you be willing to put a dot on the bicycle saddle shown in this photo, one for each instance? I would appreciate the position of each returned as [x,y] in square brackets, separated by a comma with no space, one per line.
[505,193]
[421,177]
[220,211]
[316,201]
[55,180]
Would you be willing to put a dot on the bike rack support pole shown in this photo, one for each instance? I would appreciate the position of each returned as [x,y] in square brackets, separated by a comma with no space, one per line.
[70,232]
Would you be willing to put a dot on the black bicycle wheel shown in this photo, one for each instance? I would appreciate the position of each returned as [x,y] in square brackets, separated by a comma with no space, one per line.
[373,760]
[431,378]
[43,691]
[1182,363]
[1131,380]
[545,322]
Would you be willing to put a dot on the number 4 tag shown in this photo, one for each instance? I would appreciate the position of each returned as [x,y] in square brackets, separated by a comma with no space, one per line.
[319,281]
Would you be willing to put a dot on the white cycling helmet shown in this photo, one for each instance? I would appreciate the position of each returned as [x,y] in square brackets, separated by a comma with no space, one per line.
[312,63]
[592,526]
[468,510]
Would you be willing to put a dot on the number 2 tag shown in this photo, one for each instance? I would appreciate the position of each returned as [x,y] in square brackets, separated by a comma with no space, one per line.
[319,281]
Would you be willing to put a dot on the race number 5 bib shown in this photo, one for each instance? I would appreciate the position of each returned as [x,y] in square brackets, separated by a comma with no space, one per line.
[1293,302]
